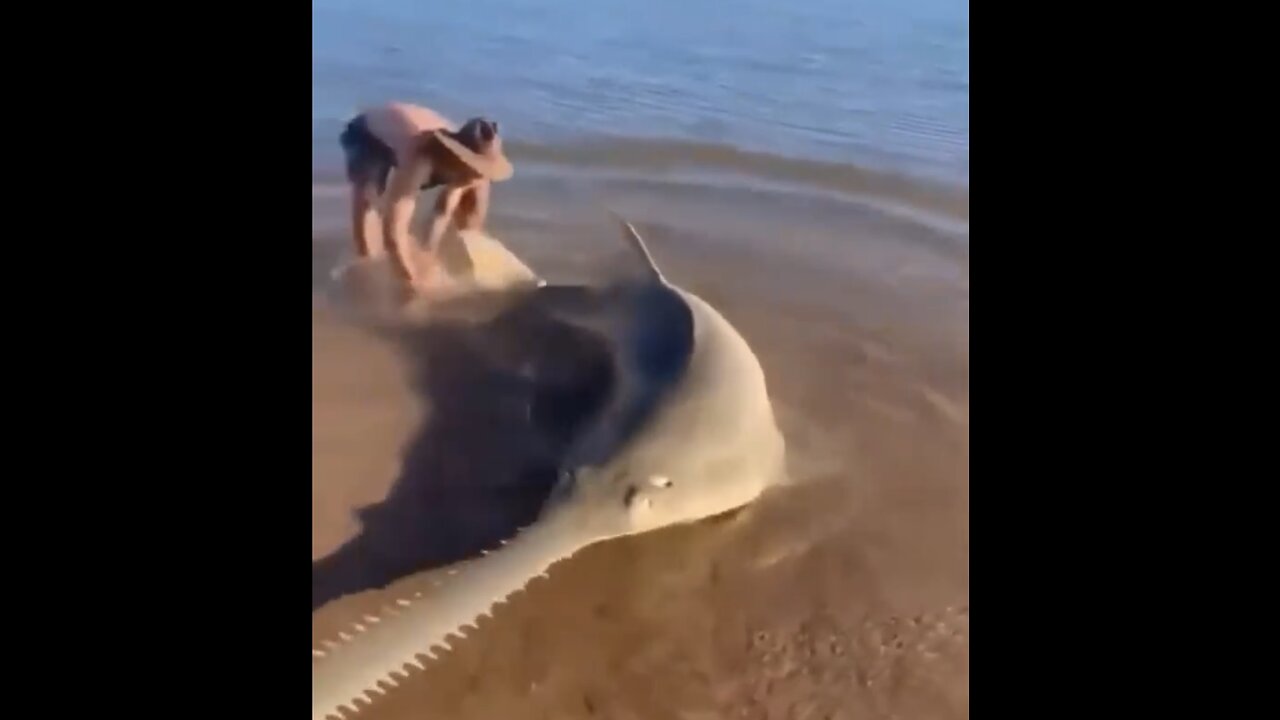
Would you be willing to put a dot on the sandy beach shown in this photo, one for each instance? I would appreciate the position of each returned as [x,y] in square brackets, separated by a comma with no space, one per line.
[845,595]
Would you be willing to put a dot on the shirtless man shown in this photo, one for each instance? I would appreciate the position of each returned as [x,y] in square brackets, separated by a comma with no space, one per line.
[395,151]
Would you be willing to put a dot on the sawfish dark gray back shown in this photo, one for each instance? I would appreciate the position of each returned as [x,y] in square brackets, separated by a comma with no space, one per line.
[650,330]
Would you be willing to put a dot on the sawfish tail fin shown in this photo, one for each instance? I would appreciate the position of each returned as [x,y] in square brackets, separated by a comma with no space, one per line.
[637,244]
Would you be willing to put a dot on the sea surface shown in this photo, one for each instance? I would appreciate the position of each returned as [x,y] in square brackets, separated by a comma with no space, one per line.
[806,89]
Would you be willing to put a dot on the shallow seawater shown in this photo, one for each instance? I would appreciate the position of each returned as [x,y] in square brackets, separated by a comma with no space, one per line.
[882,84]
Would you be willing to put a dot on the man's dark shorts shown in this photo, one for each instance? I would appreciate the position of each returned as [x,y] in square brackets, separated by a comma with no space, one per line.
[369,159]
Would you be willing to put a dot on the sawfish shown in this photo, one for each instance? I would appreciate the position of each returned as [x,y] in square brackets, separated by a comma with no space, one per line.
[705,443]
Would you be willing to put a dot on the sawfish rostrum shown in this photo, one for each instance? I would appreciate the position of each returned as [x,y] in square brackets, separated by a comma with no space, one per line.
[687,433]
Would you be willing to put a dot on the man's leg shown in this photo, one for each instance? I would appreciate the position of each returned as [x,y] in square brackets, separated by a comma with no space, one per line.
[366,221]
[367,169]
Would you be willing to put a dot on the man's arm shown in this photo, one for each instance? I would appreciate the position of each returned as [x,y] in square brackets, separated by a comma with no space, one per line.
[474,208]
[446,205]
[402,199]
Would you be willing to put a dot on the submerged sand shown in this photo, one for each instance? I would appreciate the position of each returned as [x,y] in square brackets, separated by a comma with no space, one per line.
[843,596]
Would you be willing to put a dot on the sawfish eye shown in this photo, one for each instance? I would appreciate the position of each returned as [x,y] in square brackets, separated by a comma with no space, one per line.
[661,481]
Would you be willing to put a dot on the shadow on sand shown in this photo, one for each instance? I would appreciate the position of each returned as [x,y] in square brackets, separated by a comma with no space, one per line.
[504,399]
[507,398]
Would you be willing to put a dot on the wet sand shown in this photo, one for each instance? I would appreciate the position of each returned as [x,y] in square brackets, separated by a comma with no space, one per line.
[844,595]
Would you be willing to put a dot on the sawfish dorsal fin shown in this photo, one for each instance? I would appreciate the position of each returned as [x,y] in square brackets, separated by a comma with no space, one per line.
[638,245]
